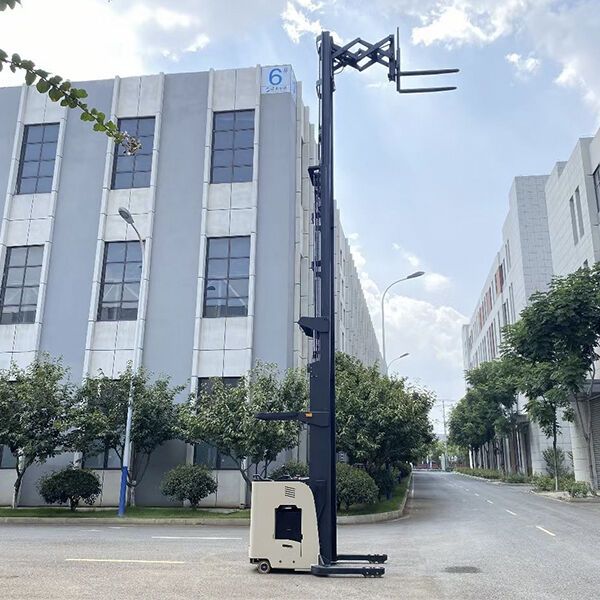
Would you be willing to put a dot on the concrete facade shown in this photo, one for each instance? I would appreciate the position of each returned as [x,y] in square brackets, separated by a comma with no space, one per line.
[177,213]
[522,266]
[573,201]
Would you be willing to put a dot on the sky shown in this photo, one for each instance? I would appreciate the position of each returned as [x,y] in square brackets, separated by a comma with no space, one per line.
[422,181]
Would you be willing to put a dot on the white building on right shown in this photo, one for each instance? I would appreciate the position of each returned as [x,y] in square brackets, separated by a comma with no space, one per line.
[552,228]
[573,206]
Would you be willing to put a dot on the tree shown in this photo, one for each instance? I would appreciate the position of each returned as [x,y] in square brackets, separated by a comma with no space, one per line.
[99,418]
[35,403]
[70,485]
[553,349]
[354,486]
[224,416]
[59,89]
[379,420]
[188,482]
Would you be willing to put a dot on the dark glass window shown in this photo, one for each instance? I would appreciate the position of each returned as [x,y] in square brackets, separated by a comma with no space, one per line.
[101,458]
[120,285]
[232,146]
[134,171]
[20,284]
[227,277]
[38,154]
[7,459]
[596,177]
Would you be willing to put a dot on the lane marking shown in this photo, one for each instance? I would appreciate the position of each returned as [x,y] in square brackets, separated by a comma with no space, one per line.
[546,531]
[489,502]
[115,527]
[96,530]
[127,560]
[466,489]
[510,512]
[191,537]
[476,494]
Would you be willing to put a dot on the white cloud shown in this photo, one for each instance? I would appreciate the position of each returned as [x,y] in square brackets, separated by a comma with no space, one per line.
[200,41]
[297,23]
[418,325]
[432,281]
[524,66]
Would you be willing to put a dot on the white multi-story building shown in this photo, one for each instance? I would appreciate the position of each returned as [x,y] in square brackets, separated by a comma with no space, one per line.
[221,195]
[573,204]
[522,266]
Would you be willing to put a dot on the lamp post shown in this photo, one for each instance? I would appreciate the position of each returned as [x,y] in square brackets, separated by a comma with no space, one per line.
[411,276]
[126,216]
[395,359]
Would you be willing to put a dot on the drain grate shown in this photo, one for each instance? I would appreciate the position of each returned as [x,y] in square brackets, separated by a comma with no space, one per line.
[463,569]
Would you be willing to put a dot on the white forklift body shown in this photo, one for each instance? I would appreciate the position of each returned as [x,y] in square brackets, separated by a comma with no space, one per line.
[283,526]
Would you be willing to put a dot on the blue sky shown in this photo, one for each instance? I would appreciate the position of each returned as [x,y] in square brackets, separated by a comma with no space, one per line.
[422,181]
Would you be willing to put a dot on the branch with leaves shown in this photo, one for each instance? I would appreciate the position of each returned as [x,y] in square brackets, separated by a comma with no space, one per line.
[62,90]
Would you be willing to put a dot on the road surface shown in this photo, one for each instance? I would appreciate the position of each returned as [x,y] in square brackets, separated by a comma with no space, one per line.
[462,539]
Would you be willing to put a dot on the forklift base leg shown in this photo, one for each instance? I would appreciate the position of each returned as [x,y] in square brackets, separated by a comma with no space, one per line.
[372,558]
[327,570]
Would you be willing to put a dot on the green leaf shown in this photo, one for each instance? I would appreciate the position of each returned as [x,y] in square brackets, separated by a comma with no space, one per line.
[3,55]
[16,59]
[42,86]
[30,77]
[42,73]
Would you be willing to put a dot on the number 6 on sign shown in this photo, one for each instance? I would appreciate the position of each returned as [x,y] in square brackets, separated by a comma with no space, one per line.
[275,77]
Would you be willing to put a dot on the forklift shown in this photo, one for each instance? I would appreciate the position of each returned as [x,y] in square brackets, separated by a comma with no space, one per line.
[293,520]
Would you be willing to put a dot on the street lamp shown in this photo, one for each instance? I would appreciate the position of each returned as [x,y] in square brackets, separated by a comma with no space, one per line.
[395,359]
[411,276]
[126,216]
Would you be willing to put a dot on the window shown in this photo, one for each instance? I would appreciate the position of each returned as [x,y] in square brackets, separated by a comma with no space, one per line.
[579,213]
[227,272]
[205,384]
[20,284]
[134,171]
[232,146]
[7,459]
[573,221]
[38,153]
[596,177]
[105,458]
[120,285]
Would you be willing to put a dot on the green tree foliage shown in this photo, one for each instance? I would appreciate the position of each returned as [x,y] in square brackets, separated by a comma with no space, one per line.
[35,403]
[188,482]
[291,468]
[70,485]
[354,486]
[487,409]
[224,416]
[99,418]
[380,420]
[61,90]
[553,348]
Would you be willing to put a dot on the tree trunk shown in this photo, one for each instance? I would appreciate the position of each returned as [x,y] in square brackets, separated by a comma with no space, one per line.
[17,489]
[554,436]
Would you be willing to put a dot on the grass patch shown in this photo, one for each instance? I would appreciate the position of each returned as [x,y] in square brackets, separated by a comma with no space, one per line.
[393,503]
[137,512]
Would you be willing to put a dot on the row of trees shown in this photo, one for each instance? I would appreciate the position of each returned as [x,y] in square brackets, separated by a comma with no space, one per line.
[381,421]
[549,356]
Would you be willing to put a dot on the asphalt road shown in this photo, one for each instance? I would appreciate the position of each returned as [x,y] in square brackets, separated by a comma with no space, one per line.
[462,539]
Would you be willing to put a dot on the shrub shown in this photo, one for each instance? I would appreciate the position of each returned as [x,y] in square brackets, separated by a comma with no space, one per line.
[354,486]
[188,482]
[516,478]
[544,483]
[385,481]
[561,459]
[404,469]
[484,473]
[70,485]
[579,489]
[290,468]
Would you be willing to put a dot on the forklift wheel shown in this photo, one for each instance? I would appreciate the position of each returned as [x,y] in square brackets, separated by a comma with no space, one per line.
[264,567]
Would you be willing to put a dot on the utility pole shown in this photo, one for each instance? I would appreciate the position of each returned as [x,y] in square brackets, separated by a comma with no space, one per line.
[360,55]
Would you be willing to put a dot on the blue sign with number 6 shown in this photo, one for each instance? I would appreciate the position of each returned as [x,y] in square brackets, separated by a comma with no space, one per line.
[275,77]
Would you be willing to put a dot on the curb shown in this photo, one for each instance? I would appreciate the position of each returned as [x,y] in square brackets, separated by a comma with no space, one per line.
[377,517]
[121,521]
[342,520]
[493,481]
[563,496]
